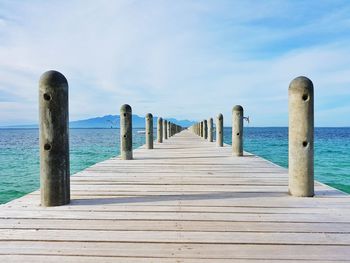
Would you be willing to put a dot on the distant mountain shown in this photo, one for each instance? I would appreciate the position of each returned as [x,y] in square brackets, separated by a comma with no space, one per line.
[110,121]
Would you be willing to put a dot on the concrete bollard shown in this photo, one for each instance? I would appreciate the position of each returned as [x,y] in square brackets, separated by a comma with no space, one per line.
[54,141]
[165,129]
[126,132]
[237,130]
[149,131]
[201,129]
[205,129]
[210,130]
[169,129]
[301,137]
[220,130]
[160,130]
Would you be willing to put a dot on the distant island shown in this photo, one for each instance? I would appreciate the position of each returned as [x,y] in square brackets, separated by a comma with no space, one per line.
[109,121]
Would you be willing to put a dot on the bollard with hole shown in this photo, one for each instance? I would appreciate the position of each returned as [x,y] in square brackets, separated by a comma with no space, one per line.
[160,130]
[169,129]
[220,130]
[54,141]
[201,129]
[237,130]
[301,137]
[149,131]
[165,129]
[205,129]
[125,132]
[210,130]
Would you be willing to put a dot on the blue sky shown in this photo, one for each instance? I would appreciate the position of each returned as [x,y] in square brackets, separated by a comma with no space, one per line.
[183,59]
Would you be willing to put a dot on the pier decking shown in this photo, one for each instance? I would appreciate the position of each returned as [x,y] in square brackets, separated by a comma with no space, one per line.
[184,201]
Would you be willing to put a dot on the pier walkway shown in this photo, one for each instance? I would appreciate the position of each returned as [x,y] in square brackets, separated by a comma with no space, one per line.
[184,201]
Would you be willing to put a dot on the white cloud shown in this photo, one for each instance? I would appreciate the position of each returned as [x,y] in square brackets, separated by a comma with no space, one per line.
[188,59]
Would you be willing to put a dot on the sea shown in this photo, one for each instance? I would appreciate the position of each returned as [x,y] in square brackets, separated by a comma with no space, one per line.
[19,153]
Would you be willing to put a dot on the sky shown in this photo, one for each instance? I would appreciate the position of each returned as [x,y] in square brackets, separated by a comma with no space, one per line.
[184,59]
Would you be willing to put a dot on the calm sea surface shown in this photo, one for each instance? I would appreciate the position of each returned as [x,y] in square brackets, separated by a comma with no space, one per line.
[19,153]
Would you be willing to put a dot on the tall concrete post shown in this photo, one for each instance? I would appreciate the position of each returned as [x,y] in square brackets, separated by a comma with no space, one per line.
[301,137]
[169,129]
[237,130]
[54,141]
[125,132]
[165,129]
[160,130]
[149,131]
[205,129]
[210,130]
[201,128]
[220,130]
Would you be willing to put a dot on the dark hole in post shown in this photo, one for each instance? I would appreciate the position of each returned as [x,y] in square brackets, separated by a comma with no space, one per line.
[125,136]
[305,97]
[47,96]
[124,114]
[47,147]
[237,134]
[305,143]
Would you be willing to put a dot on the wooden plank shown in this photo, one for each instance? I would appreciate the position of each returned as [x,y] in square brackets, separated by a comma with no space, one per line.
[177,237]
[163,225]
[177,251]
[94,259]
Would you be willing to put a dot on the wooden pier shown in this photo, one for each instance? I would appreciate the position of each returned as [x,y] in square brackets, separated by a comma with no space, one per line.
[186,200]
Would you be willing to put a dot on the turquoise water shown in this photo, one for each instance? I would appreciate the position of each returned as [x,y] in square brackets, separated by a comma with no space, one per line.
[332,145]
[19,154]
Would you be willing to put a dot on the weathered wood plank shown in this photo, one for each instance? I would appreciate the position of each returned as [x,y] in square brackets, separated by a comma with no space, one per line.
[177,251]
[163,225]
